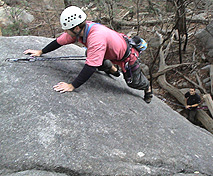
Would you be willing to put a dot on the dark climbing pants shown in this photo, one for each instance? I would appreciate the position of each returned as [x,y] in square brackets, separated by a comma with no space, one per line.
[106,65]
[192,115]
[138,80]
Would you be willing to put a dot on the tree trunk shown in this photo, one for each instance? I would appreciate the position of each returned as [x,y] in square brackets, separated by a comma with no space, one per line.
[211,77]
[204,118]
[209,102]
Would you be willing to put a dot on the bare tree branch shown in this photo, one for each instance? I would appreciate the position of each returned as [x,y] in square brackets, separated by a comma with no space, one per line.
[192,82]
[168,68]
[211,77]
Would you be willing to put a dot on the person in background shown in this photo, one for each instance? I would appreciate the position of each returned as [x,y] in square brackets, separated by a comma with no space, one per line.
[105,47]
[192,101]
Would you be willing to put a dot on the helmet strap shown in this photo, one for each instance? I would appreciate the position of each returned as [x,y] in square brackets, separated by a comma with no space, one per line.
[76,34]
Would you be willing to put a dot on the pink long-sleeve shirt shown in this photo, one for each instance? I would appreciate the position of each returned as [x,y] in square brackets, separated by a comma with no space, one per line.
[102,43]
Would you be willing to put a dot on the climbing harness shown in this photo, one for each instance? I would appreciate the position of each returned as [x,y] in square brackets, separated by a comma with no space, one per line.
[140,45]
[90,26]
[128,73]
[129,69]
[33,59]
[87,29]
[136,42]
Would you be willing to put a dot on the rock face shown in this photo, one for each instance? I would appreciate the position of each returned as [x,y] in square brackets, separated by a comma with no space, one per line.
[205,37]
[102,128]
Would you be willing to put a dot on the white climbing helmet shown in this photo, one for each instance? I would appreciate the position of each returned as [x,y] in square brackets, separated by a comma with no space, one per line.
[71,17]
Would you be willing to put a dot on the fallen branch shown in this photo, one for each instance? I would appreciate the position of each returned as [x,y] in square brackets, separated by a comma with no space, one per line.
[192,82]
[200,82]
[150,22]
[168,68]
[211,77]
[208,99]
[193,55]
[127,16]
[35,27]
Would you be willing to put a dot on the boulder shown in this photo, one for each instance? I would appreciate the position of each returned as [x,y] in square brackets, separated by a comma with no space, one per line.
[56,5]
[7,12]
[14,2]
[154,42]
[205,37]
[102,128]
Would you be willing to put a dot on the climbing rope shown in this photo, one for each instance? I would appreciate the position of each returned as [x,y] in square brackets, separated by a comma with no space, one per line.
[33,59]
